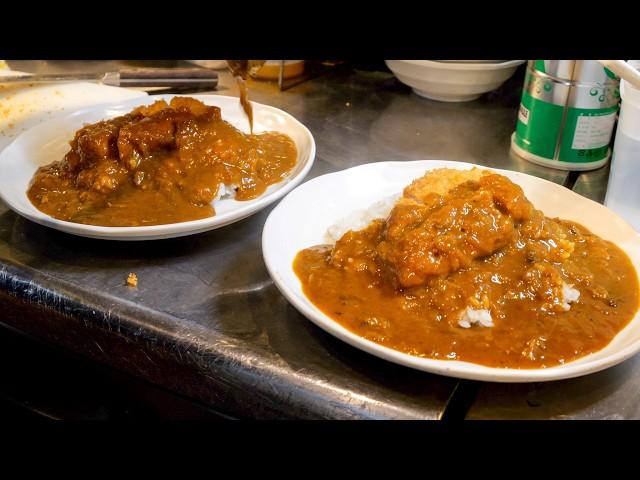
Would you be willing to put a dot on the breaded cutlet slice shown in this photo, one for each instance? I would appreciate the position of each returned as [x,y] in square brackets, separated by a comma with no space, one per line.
[439,182]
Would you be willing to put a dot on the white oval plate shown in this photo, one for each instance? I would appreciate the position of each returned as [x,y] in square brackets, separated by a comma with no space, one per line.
[49,141]
[302,218]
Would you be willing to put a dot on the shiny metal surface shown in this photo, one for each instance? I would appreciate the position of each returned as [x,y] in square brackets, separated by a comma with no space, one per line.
[593,184]
[608,395]
[207,322]
[154,77]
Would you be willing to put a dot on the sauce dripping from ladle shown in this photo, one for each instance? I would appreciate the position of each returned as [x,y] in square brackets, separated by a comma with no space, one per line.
[240,70]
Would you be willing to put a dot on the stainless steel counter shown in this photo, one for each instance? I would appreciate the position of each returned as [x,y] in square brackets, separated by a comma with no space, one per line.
[207,322]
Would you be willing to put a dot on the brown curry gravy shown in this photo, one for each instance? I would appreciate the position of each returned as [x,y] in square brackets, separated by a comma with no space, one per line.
[244,101]
[162,163]
[404,281]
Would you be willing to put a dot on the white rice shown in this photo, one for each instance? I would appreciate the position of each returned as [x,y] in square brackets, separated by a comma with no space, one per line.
[569,295]
[225,192]
[471,316]
[359,219]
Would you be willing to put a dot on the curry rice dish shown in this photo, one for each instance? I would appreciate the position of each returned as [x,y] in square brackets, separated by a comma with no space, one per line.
[465,268]
[159,164]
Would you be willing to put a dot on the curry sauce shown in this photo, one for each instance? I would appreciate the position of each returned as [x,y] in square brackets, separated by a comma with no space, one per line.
[474,273]
[162,163]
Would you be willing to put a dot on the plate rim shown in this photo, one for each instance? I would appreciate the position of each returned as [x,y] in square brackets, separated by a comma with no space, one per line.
[451,368]
[170,230]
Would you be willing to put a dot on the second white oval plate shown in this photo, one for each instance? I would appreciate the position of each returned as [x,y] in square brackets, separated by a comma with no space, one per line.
[302,218]
[49,142]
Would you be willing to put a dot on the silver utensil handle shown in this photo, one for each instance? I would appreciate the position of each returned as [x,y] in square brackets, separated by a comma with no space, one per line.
[164,77]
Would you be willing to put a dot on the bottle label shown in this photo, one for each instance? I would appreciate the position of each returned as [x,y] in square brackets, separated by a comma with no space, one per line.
[567,134]
[593,131]
[539,134]
[523,114]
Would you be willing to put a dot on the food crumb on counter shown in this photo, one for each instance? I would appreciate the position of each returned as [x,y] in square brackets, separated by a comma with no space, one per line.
[132,280]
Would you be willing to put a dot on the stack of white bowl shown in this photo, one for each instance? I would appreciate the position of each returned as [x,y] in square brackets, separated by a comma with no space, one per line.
[453,80]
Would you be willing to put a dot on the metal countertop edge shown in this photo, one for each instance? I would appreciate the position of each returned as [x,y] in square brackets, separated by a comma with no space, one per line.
[223,378]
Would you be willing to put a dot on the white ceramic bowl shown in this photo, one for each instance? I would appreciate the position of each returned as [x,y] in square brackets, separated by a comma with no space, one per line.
[302,218]
[49,141]
[452,82]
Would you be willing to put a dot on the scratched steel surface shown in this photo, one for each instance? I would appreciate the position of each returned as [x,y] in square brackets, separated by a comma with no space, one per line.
[206,320]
